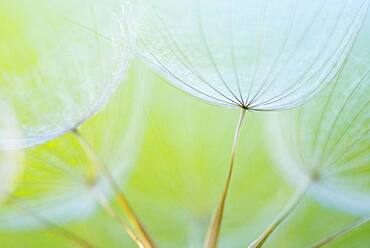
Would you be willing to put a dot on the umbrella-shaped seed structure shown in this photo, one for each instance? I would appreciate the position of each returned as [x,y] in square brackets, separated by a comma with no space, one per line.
[254,55]
[77,55]
[327,141]
[260,55]
[70,70]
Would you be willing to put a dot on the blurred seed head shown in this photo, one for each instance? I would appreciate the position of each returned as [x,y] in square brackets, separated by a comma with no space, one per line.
[55,183]
[328,140]
[79,61]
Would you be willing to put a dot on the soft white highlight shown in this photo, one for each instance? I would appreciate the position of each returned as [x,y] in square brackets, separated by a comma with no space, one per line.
[10,160]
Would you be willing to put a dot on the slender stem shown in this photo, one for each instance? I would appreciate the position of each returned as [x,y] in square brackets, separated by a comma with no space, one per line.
[67,234]
[76,239]
[103,202]
[146,241]
[342,232]
[282,216]
[215,225]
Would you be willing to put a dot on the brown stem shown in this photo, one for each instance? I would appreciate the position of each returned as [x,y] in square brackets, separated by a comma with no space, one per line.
[215,225]
[282,216]
[342,232]
[103,202]
[132,218]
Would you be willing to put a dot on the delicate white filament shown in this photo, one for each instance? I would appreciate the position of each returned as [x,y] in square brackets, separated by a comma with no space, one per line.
[78,61]
[55,184]
[328,139]
[262,55]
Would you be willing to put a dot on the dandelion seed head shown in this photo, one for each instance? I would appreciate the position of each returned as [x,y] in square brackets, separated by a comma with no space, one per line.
[55,182]
[80,63]
[261,55]
[328,140]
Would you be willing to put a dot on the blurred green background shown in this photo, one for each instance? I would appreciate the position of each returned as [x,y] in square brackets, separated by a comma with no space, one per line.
[179,168]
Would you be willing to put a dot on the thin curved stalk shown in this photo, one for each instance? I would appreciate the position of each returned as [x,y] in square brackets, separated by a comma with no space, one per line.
[58,230]
[281,217]
[132,218]
[215,225]
[80,242]
[342,232]
[103,202]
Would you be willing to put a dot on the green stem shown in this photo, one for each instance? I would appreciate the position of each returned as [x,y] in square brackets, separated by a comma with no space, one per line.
[282,216]
[132,218]
[342,232]
[215,225]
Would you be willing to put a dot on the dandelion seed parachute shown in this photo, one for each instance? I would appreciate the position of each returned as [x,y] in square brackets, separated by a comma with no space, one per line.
[75,62]
[56,182]
[260,55]
[328,140]
[256,55]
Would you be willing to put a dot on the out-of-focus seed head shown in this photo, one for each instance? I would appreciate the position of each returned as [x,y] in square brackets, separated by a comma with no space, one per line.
[328,141]
[77,59]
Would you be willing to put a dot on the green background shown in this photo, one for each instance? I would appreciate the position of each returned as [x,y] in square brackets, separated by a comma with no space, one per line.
[180,168]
